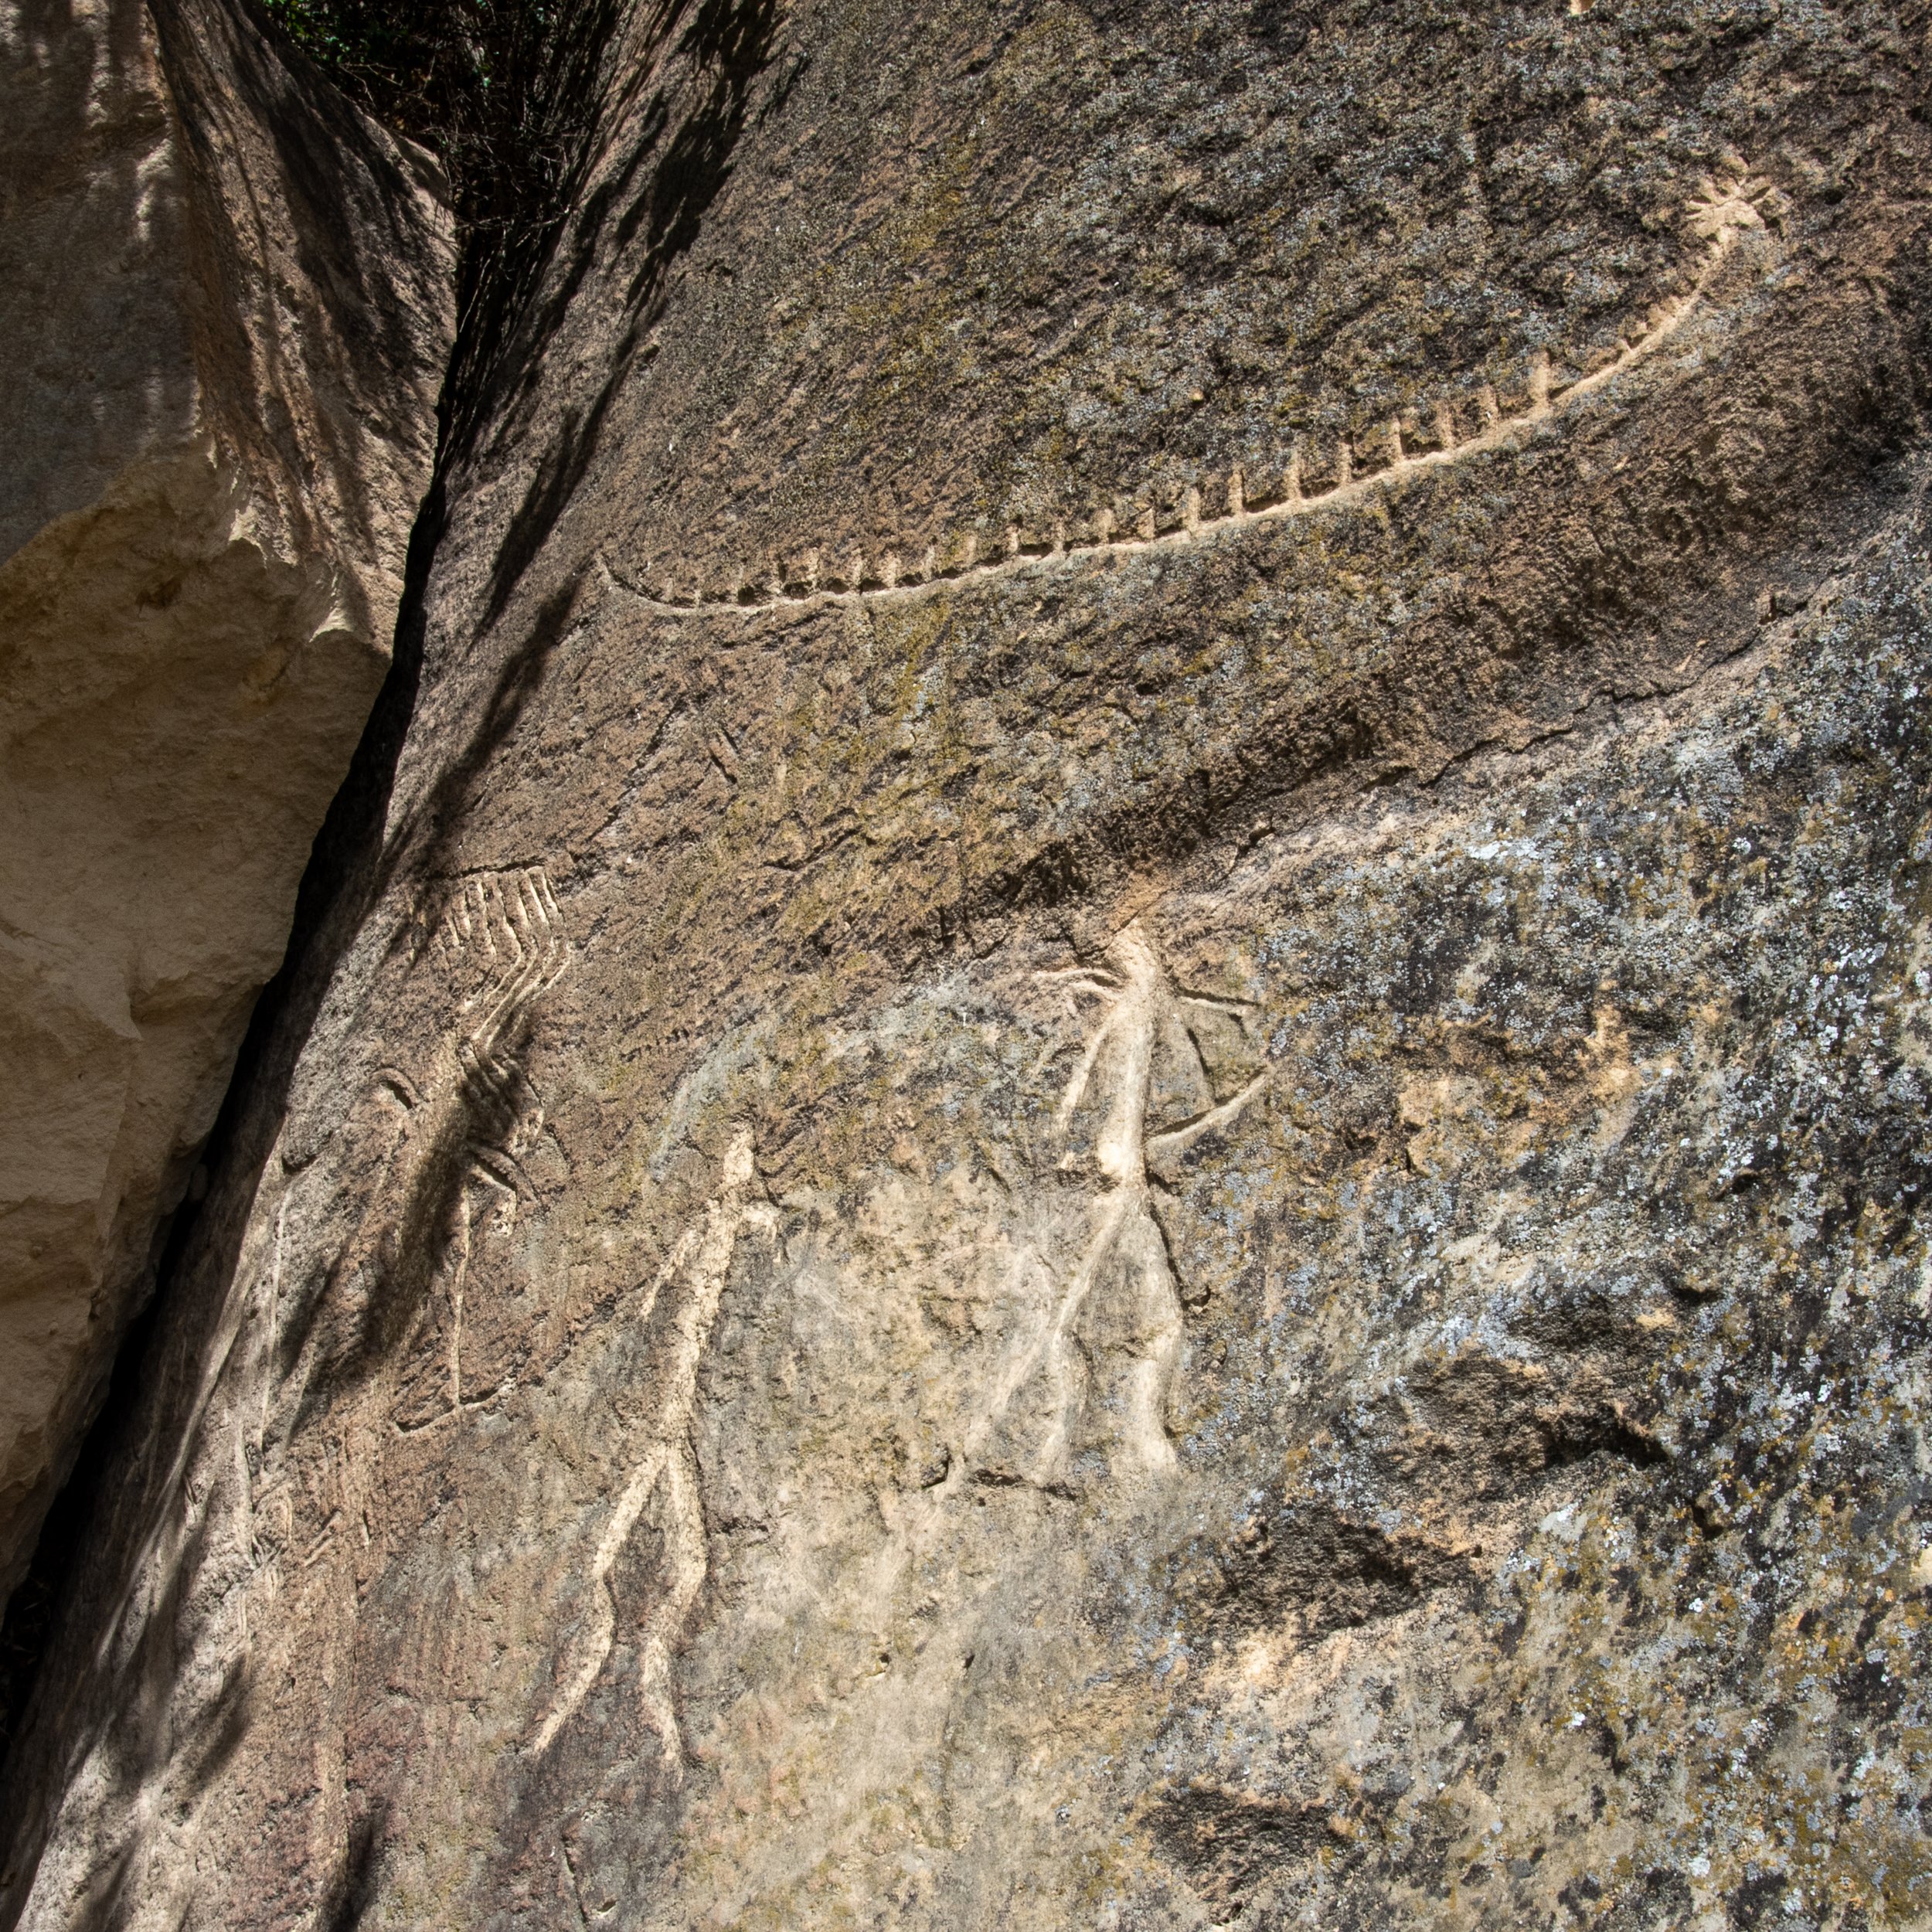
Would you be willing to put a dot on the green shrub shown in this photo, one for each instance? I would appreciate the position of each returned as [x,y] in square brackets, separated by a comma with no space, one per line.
[506,93]
[438,70]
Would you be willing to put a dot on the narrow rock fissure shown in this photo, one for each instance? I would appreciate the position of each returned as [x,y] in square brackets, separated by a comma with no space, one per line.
[508,228]
[1169,1228]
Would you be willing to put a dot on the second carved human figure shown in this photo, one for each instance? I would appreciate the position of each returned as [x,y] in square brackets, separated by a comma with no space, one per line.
[1093,1380]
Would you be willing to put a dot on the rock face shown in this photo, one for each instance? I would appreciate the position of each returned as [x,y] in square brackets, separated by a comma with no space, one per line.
[1132,1131]
[226,304]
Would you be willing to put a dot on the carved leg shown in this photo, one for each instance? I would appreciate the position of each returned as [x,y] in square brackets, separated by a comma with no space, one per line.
[1065,1359]
[592,1645]
[685,1566]
[1155,1344]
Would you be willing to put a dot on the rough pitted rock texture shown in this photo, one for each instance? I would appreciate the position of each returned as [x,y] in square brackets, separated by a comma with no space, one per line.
[1054,1189]
[226,302]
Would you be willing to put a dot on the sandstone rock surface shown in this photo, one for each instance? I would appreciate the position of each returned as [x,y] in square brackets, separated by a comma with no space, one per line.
[1133,1128]
[226,307]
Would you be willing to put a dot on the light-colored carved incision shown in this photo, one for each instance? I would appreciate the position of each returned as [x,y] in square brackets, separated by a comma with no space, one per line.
[1125,1255]
[1721,215]
[667,1473]
[499,946]
[505,929]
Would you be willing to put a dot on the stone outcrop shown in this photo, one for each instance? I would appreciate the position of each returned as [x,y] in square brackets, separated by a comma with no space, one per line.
[226,302]
[1132,1124]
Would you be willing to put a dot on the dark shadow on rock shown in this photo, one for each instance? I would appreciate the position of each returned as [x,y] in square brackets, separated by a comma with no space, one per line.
[682,161]
[373,1297]
[107,1907]
[81,1566]
[244,105]
[421,843]
[352,1885]
[218,1727]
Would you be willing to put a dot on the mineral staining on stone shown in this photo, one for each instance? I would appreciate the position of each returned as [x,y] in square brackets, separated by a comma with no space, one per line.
[1231,1239]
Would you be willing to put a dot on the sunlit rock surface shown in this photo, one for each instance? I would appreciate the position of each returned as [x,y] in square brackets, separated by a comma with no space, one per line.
[225,303]
[1132,1131]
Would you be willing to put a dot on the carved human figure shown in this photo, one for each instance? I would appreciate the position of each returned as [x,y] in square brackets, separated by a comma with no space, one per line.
[506,927]
[509,924]
[1121,1300]
[664,1478]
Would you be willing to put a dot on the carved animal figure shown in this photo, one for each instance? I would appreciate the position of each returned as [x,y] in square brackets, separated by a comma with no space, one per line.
[1721,214]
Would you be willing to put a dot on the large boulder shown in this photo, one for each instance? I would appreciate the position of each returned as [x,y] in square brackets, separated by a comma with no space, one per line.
[1132,1128]
[225,300]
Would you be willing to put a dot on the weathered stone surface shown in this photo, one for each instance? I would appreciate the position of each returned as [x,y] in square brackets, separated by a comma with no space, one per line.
[1208,1215]
[226,308]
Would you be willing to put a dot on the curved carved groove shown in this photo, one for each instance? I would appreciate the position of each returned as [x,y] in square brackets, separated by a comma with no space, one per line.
[1721,214]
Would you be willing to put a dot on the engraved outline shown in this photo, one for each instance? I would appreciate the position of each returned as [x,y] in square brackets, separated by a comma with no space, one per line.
[1721,212]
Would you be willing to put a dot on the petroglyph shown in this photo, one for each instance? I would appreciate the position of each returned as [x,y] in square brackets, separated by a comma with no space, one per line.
[502,930]
[1720,216]
[507,926]
[278,1514]
[667,1473]
[454,1160]
[1121,1297]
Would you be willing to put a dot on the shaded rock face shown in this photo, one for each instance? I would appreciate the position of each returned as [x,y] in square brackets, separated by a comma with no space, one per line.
[1131,1128]
[226,304]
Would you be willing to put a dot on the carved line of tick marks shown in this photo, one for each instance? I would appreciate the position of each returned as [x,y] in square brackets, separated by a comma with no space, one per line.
[1722,213]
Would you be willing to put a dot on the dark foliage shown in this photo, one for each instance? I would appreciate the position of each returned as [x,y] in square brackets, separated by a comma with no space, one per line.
[506,93]
[451,73]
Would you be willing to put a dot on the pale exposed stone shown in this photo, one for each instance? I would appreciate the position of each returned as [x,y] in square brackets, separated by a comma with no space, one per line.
[218,425]
[1218,1219]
